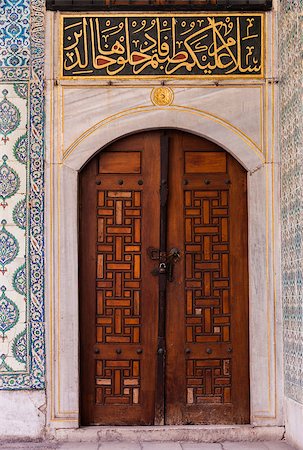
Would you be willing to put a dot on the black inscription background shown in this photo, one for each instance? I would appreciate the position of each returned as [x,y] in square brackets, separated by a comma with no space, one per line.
[226,45]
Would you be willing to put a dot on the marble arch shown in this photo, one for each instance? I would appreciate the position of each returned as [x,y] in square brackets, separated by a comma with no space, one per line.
[135,120]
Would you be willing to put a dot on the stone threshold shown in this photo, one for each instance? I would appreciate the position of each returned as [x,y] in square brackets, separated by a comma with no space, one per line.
[185,433]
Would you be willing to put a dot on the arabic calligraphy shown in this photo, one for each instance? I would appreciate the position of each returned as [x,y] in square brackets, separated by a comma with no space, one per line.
[167,46]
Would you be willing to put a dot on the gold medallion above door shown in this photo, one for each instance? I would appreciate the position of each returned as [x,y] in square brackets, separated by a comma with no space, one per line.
[163,283]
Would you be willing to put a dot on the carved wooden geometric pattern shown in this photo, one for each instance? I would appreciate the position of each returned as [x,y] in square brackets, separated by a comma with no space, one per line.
[118,382]
[207,266]
[118,266]
[208,381]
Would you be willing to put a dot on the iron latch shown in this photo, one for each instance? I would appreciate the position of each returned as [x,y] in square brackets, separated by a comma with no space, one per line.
[166,261]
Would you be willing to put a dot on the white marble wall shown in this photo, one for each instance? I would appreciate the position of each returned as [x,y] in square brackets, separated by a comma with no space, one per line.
[22,414]
[83,117]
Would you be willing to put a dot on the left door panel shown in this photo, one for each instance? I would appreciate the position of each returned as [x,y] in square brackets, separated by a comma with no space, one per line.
[119,220]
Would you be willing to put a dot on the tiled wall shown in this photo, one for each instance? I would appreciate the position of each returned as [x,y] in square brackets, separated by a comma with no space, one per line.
[291,134]
[21,195]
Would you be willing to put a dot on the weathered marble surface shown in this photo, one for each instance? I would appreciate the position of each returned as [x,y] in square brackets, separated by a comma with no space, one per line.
[83,118]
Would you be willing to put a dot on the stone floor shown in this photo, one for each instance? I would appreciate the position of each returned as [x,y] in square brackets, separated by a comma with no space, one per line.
[120,445]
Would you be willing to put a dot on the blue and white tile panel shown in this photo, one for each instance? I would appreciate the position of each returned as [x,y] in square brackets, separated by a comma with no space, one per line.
[14,38]
[22,351]
[14,351]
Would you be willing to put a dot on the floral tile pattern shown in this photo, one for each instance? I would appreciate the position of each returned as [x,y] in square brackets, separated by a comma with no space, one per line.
[291,140]
[9,117]
[22,353]
[14,34]
[13,213]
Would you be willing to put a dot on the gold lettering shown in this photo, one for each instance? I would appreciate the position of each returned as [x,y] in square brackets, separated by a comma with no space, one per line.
[162,45]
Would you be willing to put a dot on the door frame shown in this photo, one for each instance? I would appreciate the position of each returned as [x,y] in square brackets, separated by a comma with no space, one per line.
[62,248]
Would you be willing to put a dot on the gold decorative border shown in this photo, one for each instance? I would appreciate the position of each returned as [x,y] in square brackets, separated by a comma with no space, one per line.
[162,96]
[164,77]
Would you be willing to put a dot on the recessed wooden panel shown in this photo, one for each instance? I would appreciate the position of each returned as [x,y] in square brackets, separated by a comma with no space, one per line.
[120,162]
[117,382]
[205,162]
[208,381]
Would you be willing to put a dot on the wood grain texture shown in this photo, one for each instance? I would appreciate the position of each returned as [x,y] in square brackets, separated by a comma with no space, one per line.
[206,371]
[119,300]
[207,304]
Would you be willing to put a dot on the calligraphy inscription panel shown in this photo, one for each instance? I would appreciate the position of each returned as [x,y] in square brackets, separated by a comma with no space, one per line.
[162,45]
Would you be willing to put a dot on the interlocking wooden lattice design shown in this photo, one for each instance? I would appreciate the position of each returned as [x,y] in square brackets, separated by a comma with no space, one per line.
[207,266]
[118,266]
[117,382]
[206,313]
[207,290]
[208,381]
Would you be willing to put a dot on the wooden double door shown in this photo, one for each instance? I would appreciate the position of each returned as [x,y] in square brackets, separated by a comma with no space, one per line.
[163,283]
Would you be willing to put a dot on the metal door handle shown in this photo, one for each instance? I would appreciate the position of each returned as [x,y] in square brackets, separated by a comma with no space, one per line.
[209,351]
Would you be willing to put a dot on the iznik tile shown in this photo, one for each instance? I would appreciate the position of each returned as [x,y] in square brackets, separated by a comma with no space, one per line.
[291,140]
[14,35]
[22,353]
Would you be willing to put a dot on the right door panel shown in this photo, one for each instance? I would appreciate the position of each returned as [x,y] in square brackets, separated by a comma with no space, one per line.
[207,377]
